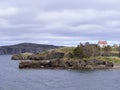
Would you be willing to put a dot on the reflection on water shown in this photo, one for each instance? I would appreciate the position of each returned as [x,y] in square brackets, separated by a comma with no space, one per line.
[12,78]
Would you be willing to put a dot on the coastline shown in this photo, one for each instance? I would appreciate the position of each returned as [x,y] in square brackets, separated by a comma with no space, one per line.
[66,64]
[27,62]
[116,66]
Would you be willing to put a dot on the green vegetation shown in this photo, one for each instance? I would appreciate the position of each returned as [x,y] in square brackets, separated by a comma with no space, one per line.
[25,55]
[81,52]
[90,52]
[86,51]
[64,49]
[113,59]
[78,52]
[21,56]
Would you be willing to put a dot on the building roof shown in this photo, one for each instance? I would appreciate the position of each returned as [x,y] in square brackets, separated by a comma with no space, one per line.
[102,42]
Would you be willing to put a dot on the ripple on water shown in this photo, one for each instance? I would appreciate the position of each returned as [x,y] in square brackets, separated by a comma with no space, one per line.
[12,78]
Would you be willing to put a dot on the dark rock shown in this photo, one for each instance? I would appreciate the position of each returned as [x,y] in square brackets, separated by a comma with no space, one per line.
[38,56]
[54,55]
[109,64]
[68,64]
[17,57]
[47,56]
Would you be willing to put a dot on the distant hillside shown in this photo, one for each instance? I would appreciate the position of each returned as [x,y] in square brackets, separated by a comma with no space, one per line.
[25,47]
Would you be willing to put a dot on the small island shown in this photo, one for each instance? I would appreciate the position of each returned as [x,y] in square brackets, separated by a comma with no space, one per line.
[84,56]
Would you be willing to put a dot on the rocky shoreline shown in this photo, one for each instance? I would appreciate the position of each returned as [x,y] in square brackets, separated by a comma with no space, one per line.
[66,64]
[55,60]
[116,66]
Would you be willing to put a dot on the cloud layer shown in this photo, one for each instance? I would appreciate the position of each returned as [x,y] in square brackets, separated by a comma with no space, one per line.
[61,22]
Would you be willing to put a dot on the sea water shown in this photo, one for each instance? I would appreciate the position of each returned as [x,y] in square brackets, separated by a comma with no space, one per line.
[13,78]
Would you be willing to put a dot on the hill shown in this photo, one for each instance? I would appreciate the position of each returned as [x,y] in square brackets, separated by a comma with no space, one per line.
[25,47]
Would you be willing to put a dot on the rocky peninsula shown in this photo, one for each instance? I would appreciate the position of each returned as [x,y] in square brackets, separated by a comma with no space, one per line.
[58,60]
[66,64]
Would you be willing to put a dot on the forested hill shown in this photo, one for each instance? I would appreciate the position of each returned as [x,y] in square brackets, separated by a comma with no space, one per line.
[25,47]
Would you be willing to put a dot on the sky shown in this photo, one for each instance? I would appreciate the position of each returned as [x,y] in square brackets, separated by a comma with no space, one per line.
[59,22]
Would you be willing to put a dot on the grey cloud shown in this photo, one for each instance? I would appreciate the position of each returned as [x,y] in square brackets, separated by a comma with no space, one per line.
[59,22]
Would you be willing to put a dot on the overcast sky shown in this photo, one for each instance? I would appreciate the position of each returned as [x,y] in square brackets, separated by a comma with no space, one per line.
[59,22]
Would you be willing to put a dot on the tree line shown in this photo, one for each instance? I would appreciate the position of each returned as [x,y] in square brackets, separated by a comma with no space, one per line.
[92,50]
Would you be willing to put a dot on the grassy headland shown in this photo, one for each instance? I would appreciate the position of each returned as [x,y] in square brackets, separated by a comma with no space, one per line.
[82,56]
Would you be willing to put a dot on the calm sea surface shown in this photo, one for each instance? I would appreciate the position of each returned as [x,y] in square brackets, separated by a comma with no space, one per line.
[12,78]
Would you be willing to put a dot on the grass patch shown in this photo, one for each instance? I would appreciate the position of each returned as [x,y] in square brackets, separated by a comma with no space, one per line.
[115,60]
[26,55]
[64,49]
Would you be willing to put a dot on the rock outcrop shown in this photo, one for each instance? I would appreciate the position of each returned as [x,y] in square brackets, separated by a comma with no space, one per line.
[53,59]
[21,56]
[66,64]
[38,56]
[47,55]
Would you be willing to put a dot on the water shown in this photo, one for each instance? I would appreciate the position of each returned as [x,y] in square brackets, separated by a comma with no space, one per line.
[12,78]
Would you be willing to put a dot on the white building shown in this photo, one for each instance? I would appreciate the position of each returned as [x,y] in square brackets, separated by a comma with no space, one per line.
[102,43]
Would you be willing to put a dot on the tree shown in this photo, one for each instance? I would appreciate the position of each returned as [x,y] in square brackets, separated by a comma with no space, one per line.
[107,50]
[78,52]
[86,51]
[91,50]
[119,50]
